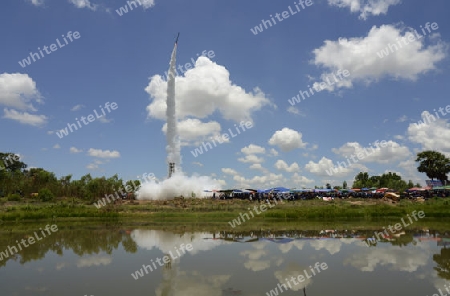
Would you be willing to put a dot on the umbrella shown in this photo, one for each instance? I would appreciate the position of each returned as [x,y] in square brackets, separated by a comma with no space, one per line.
[281,189]
[346,190]
[302,190]
[323,190]
[416,189]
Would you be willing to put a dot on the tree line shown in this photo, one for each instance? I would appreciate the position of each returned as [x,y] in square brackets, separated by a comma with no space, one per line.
[17,181]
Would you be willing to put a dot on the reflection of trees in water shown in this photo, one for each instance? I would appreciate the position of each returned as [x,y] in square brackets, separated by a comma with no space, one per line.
[84,241]
[80,241]
[443,263]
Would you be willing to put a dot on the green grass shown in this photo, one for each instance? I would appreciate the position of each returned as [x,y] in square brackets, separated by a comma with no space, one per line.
[224,211]
[22,212]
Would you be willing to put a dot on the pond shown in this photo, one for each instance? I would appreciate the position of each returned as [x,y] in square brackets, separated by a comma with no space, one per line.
[106,259]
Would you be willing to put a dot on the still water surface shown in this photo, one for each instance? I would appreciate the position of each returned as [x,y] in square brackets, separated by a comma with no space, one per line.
[101,260]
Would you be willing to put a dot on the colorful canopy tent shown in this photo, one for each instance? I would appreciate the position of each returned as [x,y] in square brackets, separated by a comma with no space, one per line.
[302,190]
[276,189]
[281,189]
[346,190]
[441,187]
[241,191]
[323,190]
[416,189]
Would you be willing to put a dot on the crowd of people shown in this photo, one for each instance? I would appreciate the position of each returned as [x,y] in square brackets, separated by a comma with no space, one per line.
[306,195]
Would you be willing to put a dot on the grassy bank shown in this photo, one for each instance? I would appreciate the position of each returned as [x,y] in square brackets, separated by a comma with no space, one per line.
[214,211]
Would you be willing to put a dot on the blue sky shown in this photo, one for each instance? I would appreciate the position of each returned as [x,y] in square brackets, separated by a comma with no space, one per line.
[248,77]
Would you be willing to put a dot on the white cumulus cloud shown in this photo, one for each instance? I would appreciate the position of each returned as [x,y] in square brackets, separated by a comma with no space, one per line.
[432,133]
[253,149]
[84,4]
[103,153]
[18,91]
[205,89]
[25,117]
[365,7]
[283,166]
[287,139]
[361,56]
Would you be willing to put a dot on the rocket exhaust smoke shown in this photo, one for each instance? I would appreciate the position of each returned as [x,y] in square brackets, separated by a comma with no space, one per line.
[178,184]
[173,143]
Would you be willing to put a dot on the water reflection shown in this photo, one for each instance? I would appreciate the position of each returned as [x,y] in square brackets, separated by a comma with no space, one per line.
[102,258]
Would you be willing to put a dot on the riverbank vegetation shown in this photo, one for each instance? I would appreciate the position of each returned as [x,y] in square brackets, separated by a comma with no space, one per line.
[192,209]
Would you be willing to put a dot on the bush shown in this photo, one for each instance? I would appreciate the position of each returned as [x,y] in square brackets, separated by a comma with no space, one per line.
[46,195]
[14,197]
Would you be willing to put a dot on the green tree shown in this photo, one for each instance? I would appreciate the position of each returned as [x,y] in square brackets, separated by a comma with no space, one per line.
[393,181]
[328,186]
[65,185]
[387,179]
[46,195]
[410,184]
[374,181]
[344,185]
[434,164]
[11,162]
[361,180]
[443,263]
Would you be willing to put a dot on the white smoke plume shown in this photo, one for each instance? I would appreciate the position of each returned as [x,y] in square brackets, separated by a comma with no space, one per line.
[173,142]
[178,184]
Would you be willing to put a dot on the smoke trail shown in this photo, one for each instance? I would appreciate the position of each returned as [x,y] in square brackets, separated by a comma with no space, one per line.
[173,143]
[178,184]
